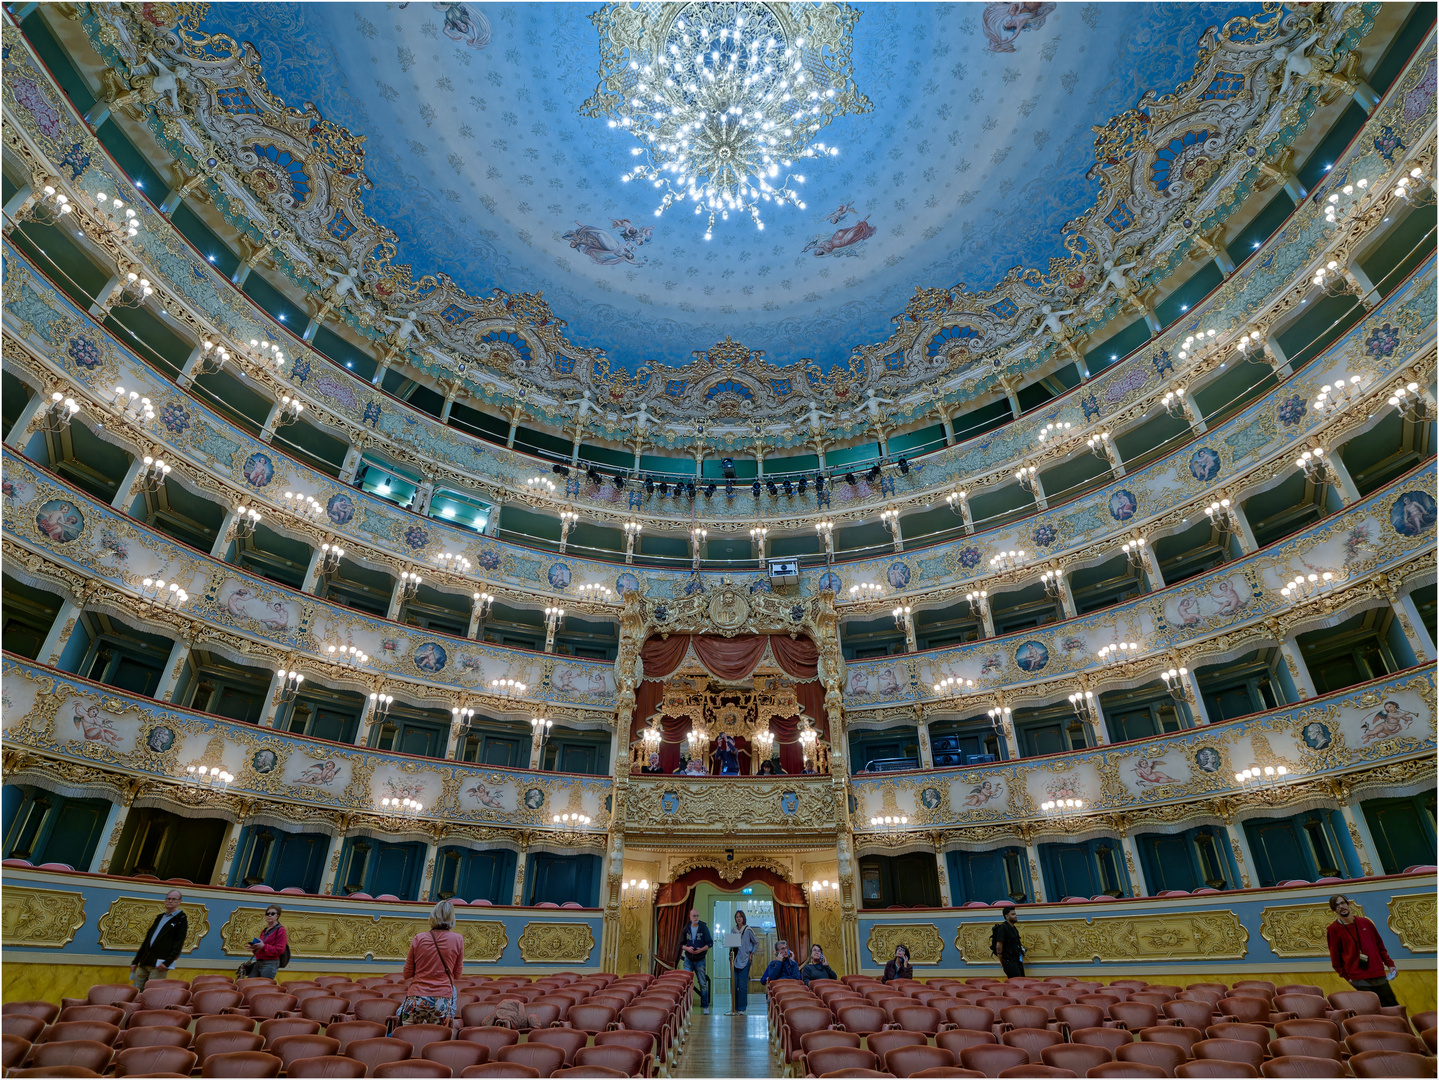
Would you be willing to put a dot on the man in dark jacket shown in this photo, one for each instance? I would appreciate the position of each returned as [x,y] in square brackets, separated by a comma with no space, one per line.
[694,950]
[782,966]
[161,945]
[1005,944]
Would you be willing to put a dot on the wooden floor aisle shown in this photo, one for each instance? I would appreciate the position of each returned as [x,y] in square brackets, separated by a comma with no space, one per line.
[728,1046]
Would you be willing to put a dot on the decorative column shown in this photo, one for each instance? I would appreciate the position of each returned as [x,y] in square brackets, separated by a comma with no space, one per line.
[1278,362]
[1363,840]
[1343,483]
[1212,244]
[351,466]
[1036,879]
[272,700]
[926,755]
[55,641]
[19,433]
[125,493]
[1239,845]
[332,861]
[948,422]
[1243,531]
[453,740]
[1197,709]
[312,571]
[427,883]
[1293,660]
[1066,598]
[1099,723]
[1151,567]
[1137,884]
[367,718]
[1410,622]
[179,654]
[517,899]
[940,861]
[229,847]
[114,824]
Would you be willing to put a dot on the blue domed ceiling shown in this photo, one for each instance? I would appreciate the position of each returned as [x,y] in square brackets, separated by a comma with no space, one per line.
[972,159]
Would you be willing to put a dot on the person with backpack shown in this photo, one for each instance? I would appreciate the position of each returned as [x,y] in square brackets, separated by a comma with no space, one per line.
[435,961]
[271,950]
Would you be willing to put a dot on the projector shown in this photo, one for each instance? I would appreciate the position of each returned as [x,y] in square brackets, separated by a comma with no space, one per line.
[783,570]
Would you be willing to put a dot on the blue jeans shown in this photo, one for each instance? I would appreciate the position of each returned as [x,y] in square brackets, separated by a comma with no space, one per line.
[741,988]
[702,981]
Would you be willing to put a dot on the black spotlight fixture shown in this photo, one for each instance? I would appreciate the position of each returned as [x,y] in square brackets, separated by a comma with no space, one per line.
[849,479]
[617,480]
[649,485]
[729,489]
[769,486]
[594,476]
[560,470]
[803,484]
[904,466]
[664,487]
[754,489]
[690,489]
[709,489]
[874,474]
[819,481]
[789,488]
[727,464]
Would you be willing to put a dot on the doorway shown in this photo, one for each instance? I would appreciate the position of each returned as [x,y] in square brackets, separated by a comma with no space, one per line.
[717,907]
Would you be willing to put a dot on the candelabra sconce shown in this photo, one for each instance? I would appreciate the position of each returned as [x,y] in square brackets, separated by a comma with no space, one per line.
[461,718]
[152,477]
[409,584]
[888,825]
[809,746]
[346,656]
[453,563]
[265,354]
[1174,404]
[1086,706]
[304,506]
[115,217]
[978,602]
[1410,403]
[953,686]
[540,729]
[290,410]
[508,688]
[764,745]
[554,620]
[57,417]
[567,522]
[1060,807]
[155,591]
[1251,346]
[1334,280]
[1195,345]
[400,810]
[1116,652]
[1007,560]
[289,685]
[242,527]
[698,740]
[1315,464]
[541,485]
[1402,186]
[1222,516]
[1176,681]
[635,894]
[1342,202]
[213,358]
[1258,778]
[824,893]
[1307,586]
[52,205]
[600,593]
[483,603]
[1028,478]
[1101,446]
[129,405]
[206,781]
[1053,582]
[1052,433]
[632,532]
[1001,719]
[903,618]
[890,520]
[825,530]
[866,590]
[380,707]
[570,824]
[330,556]
[132,292]
[1134,552]
[757,537]
[955,501]
[697,543]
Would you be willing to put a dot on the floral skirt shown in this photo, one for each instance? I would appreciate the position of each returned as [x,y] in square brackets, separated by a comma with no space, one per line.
[427,1010]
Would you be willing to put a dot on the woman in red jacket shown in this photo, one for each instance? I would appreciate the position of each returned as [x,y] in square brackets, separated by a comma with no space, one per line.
[268,948]
[434,964]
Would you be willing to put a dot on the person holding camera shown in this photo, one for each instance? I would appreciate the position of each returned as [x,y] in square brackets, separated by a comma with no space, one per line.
[270,950]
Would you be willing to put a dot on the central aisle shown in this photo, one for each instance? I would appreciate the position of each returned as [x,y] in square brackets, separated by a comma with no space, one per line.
[729,1046]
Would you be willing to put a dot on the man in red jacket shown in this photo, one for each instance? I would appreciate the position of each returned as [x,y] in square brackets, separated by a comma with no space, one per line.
[1357,951]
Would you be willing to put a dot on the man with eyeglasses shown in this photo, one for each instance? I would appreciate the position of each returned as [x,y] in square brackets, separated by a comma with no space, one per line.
[161,945]
[1357,951]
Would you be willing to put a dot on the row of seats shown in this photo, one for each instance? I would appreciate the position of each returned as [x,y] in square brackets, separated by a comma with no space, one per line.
[1066,1026]
[574,1025]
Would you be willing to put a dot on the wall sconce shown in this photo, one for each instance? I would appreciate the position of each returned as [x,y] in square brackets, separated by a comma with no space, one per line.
[698,739]
[1257,778]
[955,500]
[409,584]
[508,688]
[1007,560]
[1401,187]
[62,410]
[1101,446]
[213,358]
[652,737]
[1175,681]
[764,740]
[1410,403]
[1174,403]
[52,205]
[540,730]
[1334,399]
[554,620]
[290,410]
[825,530]
[1342,202]
[697,540]
[634,893]
[888,824]
[978,606]
[1001,719]
[483,603]
[289,685]
[1085,706]
[1134,552]
[152,477]
[632,531]
[455,564]
[1051,433]
[570,824]
[1026,475]
[824,893]
[1062,806]
[1194,345]
[1222,516]
[461,718]
[265,354]
[380,707]
[204,781]
[808,743]
[131,293]
[1115,652]
[127,405]
[757,536]
[1253,340]
[1052,581]
[568,518]
[601,593]
[400,810]
[155,591]
[1316,466]
[115,217]
[903,618]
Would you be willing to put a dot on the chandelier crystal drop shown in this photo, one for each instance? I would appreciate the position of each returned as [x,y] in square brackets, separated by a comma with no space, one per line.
[724,99]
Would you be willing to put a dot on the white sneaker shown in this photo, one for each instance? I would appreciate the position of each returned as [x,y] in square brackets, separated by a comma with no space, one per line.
[705,1010]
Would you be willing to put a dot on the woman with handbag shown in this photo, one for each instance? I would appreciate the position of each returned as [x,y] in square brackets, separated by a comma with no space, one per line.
[435,961]
[268,949]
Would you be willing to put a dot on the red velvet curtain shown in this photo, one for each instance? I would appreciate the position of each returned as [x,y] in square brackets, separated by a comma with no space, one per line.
[797,657]
[674,900]
[791,918]
[672,909]
[730,658]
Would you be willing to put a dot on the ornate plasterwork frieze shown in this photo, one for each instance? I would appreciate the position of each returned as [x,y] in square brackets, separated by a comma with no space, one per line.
[324,935]
[1188,935]
[123,926]
[556,943]
[1412,918]
[40,918]
[1297,930]
[214,142]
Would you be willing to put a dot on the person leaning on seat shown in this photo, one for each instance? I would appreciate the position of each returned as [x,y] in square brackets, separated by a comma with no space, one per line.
[161,946]
[1357,951]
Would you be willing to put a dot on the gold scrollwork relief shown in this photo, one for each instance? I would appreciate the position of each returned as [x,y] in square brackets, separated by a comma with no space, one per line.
[335,936]
[1198,935]
[1299,929]
[1413,918]
[923,942]
[556,943]
[40,918]
[123,926]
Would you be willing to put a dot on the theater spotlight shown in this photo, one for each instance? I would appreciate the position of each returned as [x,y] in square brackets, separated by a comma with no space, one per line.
[560,470]
[617,480]
[803,484]
[769,486]
[649,485]
[754,489]
[789,488]
[709,489]
[849,479]
[664,487]
[690,489]
[729,489]
[904,466]
[874,474]
[727,464]
[594,476]
[819,481]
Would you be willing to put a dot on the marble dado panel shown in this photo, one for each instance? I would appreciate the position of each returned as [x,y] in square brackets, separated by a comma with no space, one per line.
[56,134]
[307,780]
[1390,527]
[1376,348]
[99,542]
[1174,775]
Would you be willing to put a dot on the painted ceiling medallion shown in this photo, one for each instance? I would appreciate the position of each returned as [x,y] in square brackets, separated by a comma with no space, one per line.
[725,98]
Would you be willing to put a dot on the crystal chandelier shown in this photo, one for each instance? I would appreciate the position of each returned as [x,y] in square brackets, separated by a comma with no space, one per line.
[725,98]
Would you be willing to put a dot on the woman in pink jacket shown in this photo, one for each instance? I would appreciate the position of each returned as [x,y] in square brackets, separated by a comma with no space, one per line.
[269,948]
[435,962]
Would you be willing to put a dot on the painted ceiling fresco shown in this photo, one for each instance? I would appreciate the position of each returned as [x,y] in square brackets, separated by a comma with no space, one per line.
[971,160]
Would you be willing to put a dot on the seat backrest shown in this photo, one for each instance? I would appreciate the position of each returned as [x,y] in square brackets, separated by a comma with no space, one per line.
[264,1005]
[1314,1028]
[588,1017]
[279,1028]
[1134,1014]
[1033,1040]
[1251,1053]
[1080,1016]
[970,1017]
[323,1008]
[1351,1025]
[45,1010]
[1126,1068]
[457,1054]
[241,1063]
[1244,1009]
[818,1040]
[1109,1038]
[861,1018]
[882,1042]
[79,1053]
[373,1052]
[330,1065]
[106,1014]
[1302,1065]
[1305,1046]
[956,1041]
[623,1059]
[111,993]
[377,1010]
[95,1030]
[1079,1058]
[1390,1063]
[1303,1006]
[158,994]
[292,1047]
[411,1067]
[1195,1014]
[229,1022]
[494,1038]
[1359,1002]
[500,1068]
[1184,1037]
[908,1060]
[348,1031]
[917,1018]
[154,1035]
[1216,1068]
[543,1059]
[23,1027]
[567,1039]
[210,1001]
[149,1060]
[1393,1041]
[165,1017]
[1168,1056]
[1299,988]
[227,1042]
[1026,1016]
[993,1059]
[830,1059]
[1255,1033]
[421,1035]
